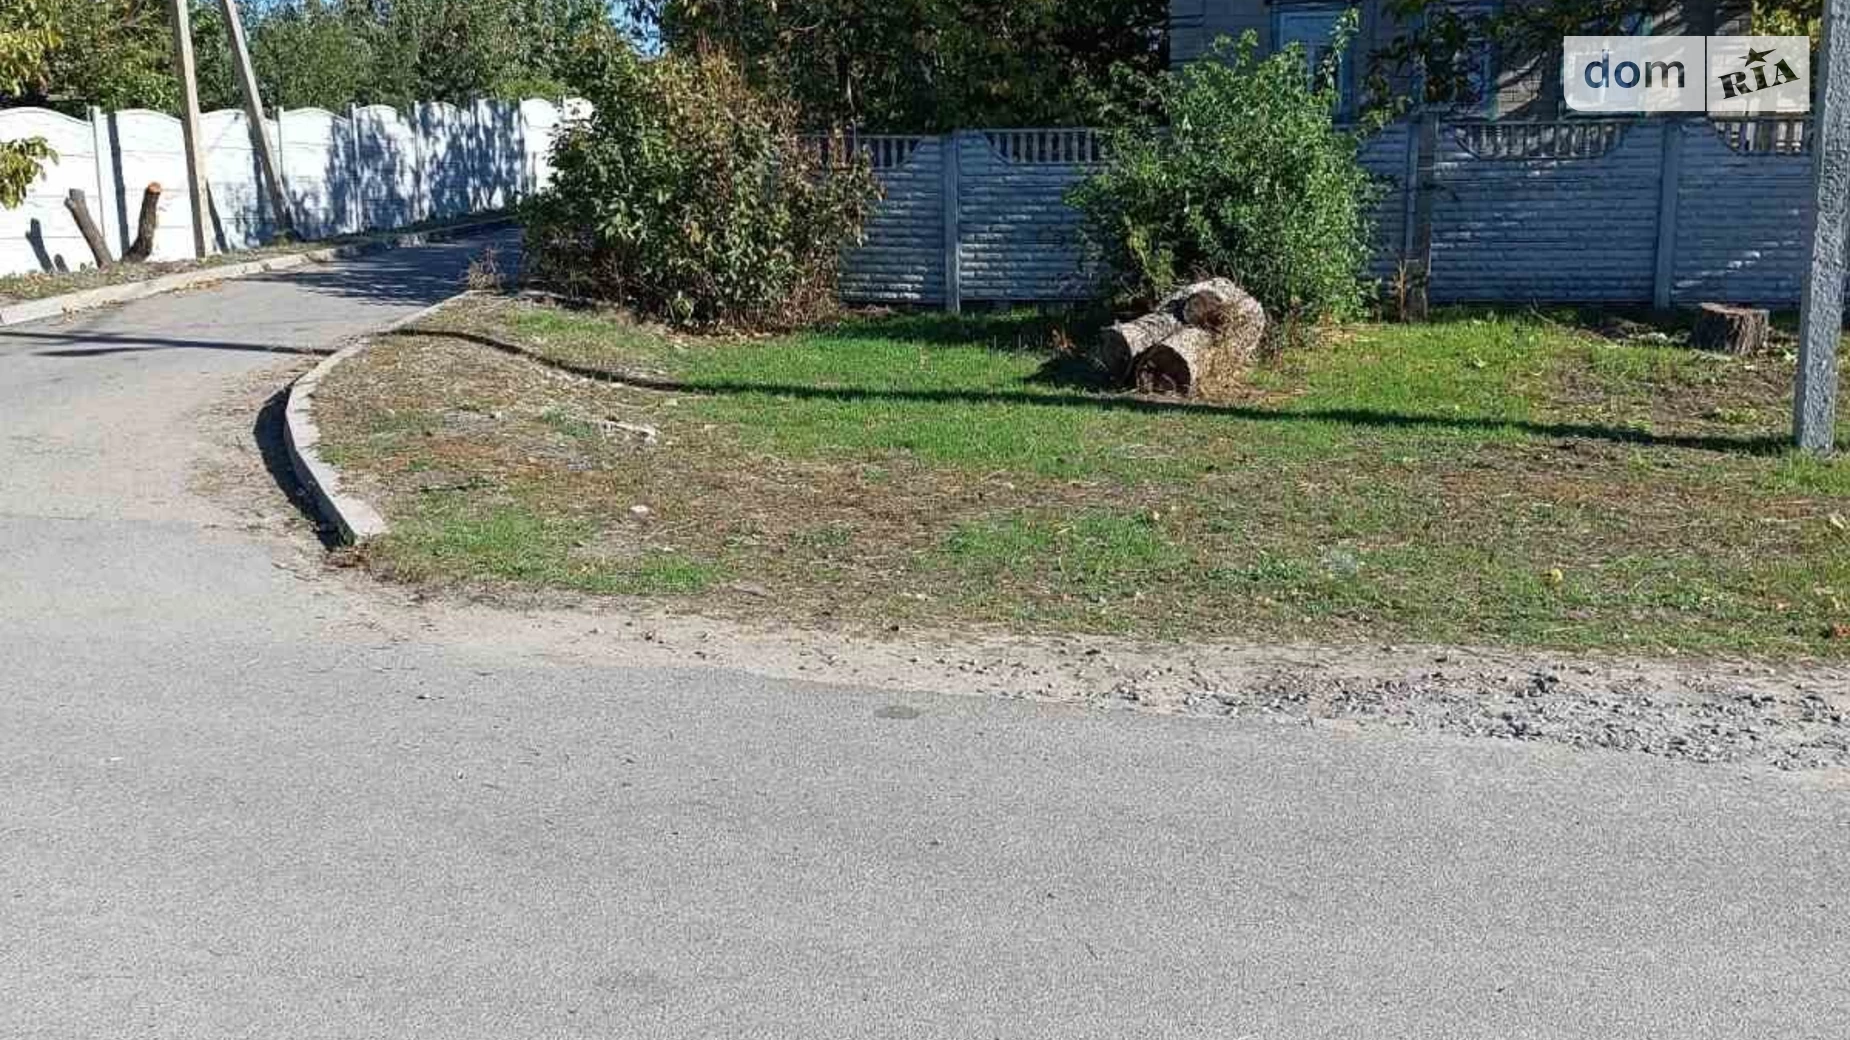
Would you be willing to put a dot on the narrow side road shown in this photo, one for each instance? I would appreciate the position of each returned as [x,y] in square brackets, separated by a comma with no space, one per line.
[242,797]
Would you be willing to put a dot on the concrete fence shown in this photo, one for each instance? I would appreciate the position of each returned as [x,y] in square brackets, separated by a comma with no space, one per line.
[1665,211]
[372,168]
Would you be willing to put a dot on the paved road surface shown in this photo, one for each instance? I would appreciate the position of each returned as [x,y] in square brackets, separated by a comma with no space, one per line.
[243,798]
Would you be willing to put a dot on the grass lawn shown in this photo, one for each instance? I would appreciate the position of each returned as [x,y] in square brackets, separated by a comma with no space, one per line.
[37,285]
[1482,479]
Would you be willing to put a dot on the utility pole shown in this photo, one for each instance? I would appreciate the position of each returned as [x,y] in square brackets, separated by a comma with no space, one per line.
[1821,307]
[253,113]
[189,123]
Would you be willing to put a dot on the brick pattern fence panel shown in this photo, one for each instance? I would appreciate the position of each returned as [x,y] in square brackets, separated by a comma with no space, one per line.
[1546,212]
[1017,237]
[902,258]
[1740,216]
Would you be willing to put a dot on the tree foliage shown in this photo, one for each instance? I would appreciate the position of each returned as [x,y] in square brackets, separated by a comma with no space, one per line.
[1435,52]
[324,53]
[923,65]
[693,197]
[26,38]
[1241,173]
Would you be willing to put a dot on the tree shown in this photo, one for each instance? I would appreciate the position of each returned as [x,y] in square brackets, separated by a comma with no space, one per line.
[924,65]
[111,53]
[325,53]
[26,38]
[694,197]
[1252,180]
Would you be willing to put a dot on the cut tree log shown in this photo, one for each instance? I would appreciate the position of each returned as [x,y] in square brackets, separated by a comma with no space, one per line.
[86,226]
[1212,302]
[1185,362]
[1207,358]
[143,246]
[1119,345]
[1729,330]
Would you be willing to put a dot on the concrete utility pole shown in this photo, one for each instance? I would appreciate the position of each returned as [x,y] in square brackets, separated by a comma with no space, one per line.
[189,123]
[1821,308]
[253,112]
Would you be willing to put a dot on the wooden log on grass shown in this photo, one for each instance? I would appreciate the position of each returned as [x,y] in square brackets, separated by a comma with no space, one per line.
[86,226]
[1119,345]
[1729,330]
[143,246]
[1207,358]
[1183,363]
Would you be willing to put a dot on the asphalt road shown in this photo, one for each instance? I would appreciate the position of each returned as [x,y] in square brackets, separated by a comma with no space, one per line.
[240,797]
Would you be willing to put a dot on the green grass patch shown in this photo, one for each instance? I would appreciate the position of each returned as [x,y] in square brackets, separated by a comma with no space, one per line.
[1486,478]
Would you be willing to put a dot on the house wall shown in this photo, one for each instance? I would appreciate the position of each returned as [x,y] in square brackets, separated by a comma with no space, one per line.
[1524,85]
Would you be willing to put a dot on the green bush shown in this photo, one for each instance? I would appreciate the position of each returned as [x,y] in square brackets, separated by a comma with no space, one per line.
[694,198]
[1245,174]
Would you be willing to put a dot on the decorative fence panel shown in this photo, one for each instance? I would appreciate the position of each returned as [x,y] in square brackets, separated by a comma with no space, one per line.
[1669,211]
[1017,238]
[902,260]
[372,169]
[1573,218]
[1740,215]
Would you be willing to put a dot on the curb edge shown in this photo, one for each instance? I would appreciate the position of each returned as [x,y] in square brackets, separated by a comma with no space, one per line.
[353,520]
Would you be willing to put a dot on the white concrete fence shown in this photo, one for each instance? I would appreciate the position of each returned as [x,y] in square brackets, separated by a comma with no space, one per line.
[373,169]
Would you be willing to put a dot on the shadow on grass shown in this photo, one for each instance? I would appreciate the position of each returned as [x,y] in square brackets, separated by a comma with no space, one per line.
[1754,445]
[1018,329]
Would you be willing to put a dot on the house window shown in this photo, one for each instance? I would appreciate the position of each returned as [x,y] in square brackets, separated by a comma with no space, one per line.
[1311,26]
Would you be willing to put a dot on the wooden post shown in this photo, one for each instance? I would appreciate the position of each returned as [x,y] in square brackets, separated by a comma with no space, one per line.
[1821,306]
[188,75]
[253,112]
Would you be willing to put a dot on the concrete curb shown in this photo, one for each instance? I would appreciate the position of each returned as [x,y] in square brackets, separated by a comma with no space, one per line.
[88,299]
[354,521]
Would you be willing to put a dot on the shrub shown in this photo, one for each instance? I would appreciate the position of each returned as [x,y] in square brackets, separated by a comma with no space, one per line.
[691,197]
[1244,174]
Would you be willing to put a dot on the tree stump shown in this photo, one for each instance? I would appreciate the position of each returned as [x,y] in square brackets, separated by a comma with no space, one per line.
[1729,330]
[86,226]
[143,246]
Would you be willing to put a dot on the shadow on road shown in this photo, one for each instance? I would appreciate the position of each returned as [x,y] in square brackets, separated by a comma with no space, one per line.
[273,445]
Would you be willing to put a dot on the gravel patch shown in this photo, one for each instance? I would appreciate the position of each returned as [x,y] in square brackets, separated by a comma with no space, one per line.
[1784,722]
